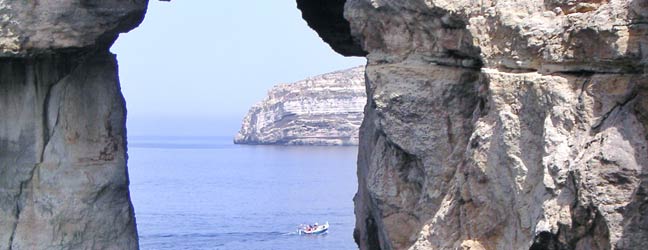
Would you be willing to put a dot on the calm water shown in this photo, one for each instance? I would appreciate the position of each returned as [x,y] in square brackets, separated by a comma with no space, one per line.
[206,193]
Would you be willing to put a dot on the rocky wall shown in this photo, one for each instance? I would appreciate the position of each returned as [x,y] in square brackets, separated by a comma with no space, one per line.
[63,176]
[502,124]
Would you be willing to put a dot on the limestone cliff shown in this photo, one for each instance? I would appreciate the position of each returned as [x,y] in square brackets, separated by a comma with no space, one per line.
[63,179]
[321,110]
[500,124]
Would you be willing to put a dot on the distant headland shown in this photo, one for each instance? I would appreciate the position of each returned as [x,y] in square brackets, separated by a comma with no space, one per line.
[321,110]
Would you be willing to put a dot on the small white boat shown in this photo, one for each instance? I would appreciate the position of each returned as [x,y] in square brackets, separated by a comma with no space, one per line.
[315,229]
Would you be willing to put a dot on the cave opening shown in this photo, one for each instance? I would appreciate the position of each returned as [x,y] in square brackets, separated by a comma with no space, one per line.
[189,73]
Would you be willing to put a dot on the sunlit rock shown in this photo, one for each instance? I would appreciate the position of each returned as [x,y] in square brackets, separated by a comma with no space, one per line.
[501,124]
[321,110]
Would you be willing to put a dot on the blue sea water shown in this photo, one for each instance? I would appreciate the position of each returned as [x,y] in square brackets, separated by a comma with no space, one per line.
[207,193]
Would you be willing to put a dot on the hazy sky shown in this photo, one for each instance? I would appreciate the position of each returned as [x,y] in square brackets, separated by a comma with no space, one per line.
[196,67]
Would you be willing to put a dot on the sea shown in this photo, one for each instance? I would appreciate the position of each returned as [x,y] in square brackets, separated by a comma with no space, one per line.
[202,192]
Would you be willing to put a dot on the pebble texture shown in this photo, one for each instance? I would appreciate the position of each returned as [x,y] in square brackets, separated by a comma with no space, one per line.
[502,124]
[321,110]
[63,177]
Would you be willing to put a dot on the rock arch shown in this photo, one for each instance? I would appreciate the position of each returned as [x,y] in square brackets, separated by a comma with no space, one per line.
[496,124]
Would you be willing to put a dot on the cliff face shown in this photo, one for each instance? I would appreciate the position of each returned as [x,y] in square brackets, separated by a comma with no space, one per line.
[63,179]
[322,110]
[501,124]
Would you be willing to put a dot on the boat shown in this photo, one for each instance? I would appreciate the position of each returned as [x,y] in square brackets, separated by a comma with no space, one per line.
[315,229]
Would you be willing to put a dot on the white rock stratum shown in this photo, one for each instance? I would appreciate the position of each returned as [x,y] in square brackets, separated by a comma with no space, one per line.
[321,110]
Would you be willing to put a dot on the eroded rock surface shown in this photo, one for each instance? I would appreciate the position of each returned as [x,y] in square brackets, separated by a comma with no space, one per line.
[502,124]
[321,110]
[41,26]
[63,178]
[63,148]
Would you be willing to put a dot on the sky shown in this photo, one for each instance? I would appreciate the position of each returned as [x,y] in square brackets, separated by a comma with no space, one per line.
[196,67]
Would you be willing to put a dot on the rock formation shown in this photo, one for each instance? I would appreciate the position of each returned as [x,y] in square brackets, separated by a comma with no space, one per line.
[490,124]
[321,110]
[499,124]
[63,179]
